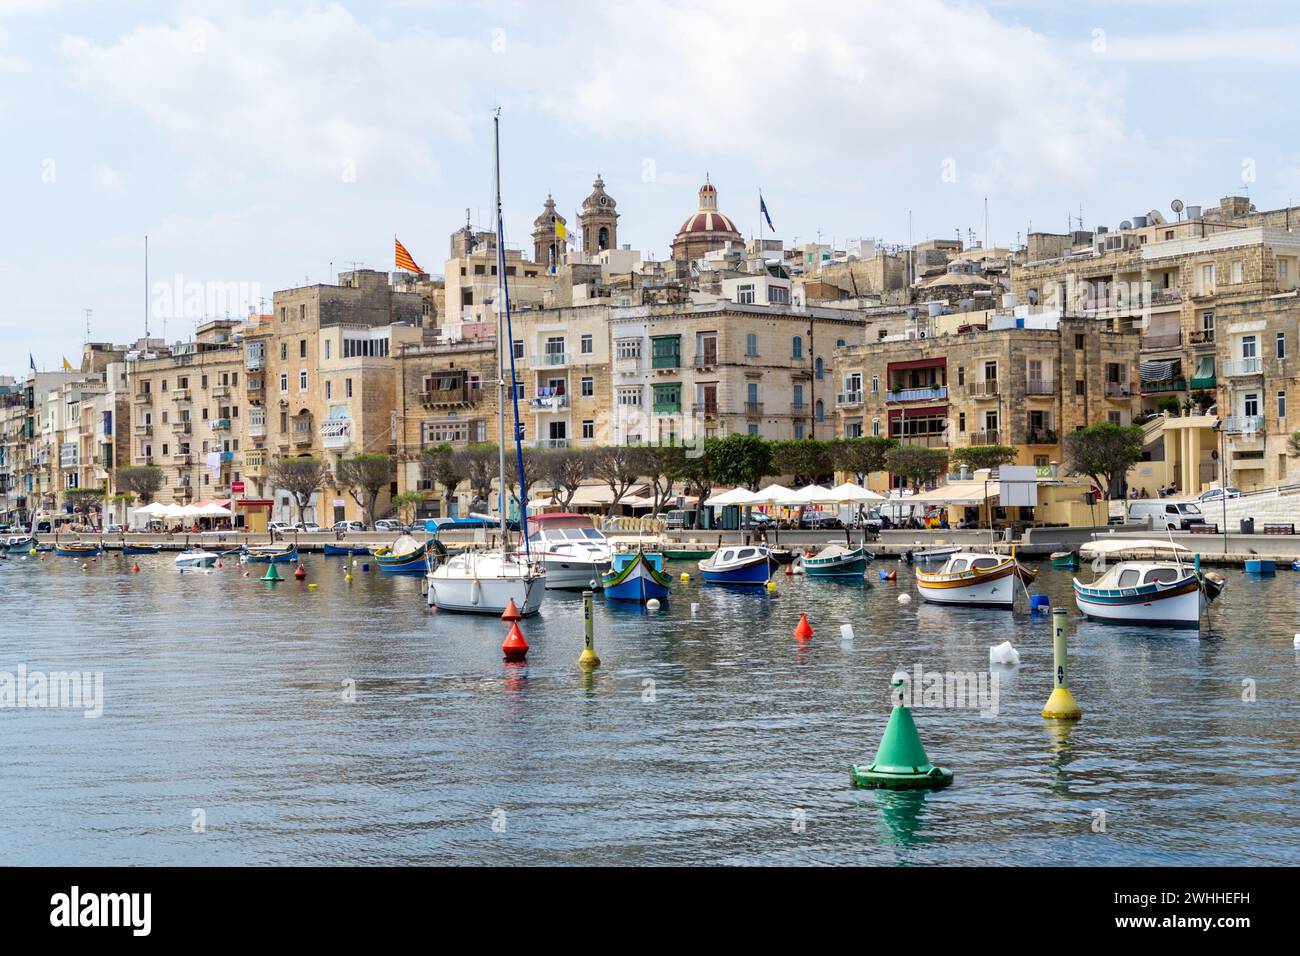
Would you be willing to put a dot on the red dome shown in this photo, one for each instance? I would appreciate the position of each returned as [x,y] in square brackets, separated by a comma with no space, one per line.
[707,222]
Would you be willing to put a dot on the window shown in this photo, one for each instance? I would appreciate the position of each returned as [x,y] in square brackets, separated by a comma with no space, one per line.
[302,312]
[1248,347]
[1078,341]
[1080,387]
[586,345]
[327,348]
[628,348]
[668,398]
[1281,345]
[1250,404]
[1281,404]
[284,381]
[347,387]
[875,384]
[819,368]
[1207,278]
[518,346]
[1283,273]
[282,314]
[745,294]
[798,395]
[961,375]
[329,389]
[778,295]
[588,429]
[302,381]
[1236,272]
[284,351]
[629,396]
[821,410]
[203,381]
[753,428]
[355,347]
[302,348]
[588,386]
[751,345]
[875,427]
[961,422]
[796,347]
[666,351]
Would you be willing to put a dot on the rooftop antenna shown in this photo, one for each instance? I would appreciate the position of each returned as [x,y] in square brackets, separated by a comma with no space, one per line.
[88,312]
[146,287]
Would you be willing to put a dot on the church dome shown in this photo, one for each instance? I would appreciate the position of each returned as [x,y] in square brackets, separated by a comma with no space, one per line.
[706,228]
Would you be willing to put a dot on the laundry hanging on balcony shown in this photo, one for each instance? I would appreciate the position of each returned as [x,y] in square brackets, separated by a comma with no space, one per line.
[1164,371]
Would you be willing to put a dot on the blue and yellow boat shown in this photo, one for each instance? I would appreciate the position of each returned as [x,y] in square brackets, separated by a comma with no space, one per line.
[270,553]
[408,556]
[79,550]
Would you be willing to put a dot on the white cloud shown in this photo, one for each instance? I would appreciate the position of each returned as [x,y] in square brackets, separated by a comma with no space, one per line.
[832,92]
[306,93]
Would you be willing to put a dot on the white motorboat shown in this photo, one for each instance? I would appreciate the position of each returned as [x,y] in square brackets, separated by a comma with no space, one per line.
[485,582]
[1154,592]
[192,560]
[974,579]
[572,549]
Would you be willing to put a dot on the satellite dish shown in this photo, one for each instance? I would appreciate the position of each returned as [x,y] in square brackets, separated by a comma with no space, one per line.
[1155,218]
[1177,207]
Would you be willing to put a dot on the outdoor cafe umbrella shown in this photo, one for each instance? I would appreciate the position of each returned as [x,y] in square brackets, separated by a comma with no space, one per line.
[742,497]
[772,496]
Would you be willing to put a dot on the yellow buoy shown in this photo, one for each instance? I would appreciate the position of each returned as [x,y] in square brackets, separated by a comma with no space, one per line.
[588,659]
[685,577]
[771,586]
[1061,705]
[311,587]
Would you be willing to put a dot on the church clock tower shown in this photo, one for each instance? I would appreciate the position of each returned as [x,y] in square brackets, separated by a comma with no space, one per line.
[599,221]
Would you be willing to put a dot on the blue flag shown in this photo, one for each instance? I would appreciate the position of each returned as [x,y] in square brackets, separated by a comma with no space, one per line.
[762,207]
[32,360]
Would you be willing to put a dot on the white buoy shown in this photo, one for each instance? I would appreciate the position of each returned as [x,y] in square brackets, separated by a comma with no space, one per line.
[1004,653]
[905,599]
[695,610]
[652,604]
[846,633]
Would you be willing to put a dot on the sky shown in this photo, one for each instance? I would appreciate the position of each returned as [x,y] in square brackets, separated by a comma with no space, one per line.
[259,144]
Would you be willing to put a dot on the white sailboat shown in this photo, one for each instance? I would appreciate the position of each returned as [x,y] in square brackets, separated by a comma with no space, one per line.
[485,582]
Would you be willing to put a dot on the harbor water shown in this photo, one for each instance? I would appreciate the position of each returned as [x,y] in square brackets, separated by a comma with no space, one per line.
[245,723]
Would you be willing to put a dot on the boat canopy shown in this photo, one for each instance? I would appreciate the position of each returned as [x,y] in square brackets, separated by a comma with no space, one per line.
[1116,544]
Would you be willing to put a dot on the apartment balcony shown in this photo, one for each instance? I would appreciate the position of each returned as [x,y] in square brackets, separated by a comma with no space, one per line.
[550,443]
[987,437]
[1167,385]
[1238,368]
[334,433]
[1166,297]
[146,430]
[1207,382]
[707,360]
[549,403]
[445,397]
[181,458]
[753,409]
[1204,338]
[988,388]
[667,408]
[1243,424]
[705,410]
[848,399]
[1166,340]
[181,428]
[181,395]
[934,393]
[303,437]
[144,398]
[181,491]
[220,391]
[799,409]
[143,460]
[1047,437]
[255,361]
[922,441]
[627,366]
[1119,389]
[1040,386]
[257,429]
[551,360]
[254,387]
[219,424]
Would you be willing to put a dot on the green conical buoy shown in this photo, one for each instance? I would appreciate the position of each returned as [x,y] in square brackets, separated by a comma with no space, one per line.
[901,763]
[272,575]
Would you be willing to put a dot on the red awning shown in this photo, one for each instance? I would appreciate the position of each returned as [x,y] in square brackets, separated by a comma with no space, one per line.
[254,503]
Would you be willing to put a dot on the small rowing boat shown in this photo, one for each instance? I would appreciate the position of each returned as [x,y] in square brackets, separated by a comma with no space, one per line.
[838,561]
[141,549]
[406,556]
[196,559]
[636,576]
[737,564]
[974,579]
[335,550]
[270,553]
[80,550]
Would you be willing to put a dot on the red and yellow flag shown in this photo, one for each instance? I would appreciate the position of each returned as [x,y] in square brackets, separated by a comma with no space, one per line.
[403,258]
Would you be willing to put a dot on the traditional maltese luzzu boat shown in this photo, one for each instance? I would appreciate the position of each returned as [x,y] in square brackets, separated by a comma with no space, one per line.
[1163,591]
[974,579]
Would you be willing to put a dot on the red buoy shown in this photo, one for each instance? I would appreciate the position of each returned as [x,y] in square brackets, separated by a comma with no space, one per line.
[299,573]
[803,630]
[135,568]
[511,614]
[515,648]
[219,564]
[891,576]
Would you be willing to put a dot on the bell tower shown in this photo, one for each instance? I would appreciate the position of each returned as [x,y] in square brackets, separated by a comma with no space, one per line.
[599,221]
[549,236]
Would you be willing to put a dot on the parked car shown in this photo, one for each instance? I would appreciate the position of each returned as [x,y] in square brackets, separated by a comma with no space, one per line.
[820,520]
[114,529]
[673,520]
[1217,494]
[309,527]
[342,527]
[280,527]
[1166,515]
[388,524]
[758,519]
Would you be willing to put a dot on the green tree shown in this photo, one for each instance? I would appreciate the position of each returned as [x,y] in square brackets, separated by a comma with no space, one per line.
[976,457]
[143,481]
[83,500]
[662,466]
[618,467]
[916,464]
[1104,452]
[480,463]
[739,460]
[365,476]
[805,459]
[301,477]
[406,503]
[693,471]
[447,468]
[863,456]
[562,470]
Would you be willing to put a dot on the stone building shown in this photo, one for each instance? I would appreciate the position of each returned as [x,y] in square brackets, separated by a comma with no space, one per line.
[1215,299]
[1001,385]
[599,221]
[548,247]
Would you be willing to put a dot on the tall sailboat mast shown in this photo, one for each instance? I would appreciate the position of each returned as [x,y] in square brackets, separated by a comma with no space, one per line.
[499,299]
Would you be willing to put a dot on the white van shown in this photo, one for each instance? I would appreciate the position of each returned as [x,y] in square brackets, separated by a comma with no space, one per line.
[1171,515]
